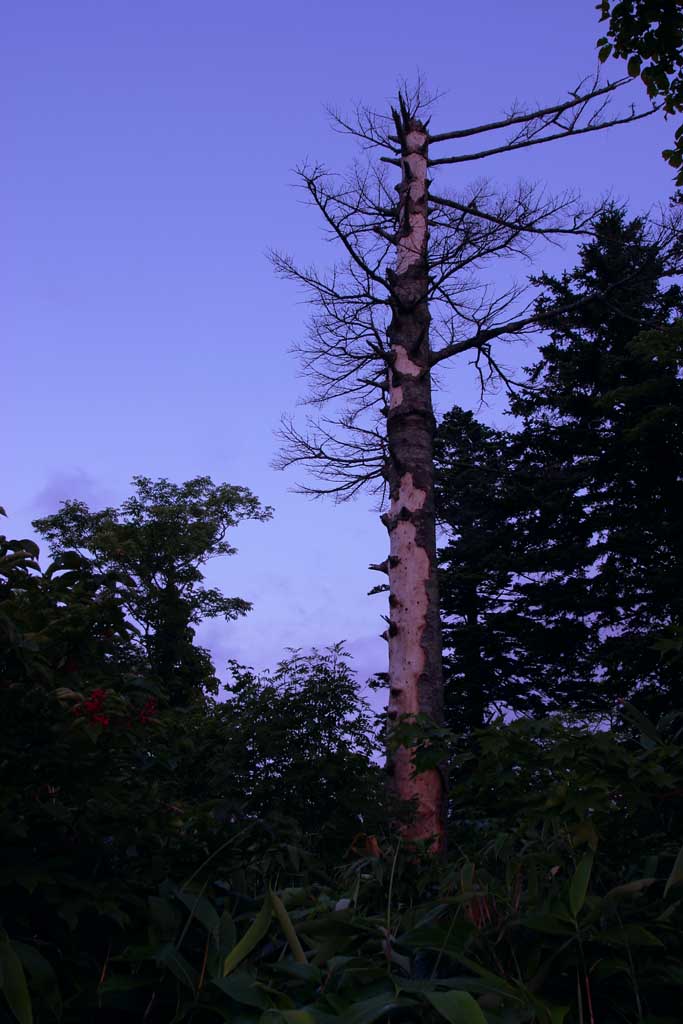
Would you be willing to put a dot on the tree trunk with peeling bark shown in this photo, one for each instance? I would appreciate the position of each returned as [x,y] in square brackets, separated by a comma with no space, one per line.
[414,632]
[408,266]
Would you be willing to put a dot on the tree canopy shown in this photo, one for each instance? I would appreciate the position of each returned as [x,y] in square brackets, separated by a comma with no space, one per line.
[563,562]
[158,541]
[649,35]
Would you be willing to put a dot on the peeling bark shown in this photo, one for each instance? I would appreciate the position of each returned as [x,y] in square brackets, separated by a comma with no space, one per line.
[414,630]
[345,363]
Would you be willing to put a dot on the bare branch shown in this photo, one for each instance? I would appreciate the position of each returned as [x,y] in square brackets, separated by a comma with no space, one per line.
[580,226]
[371,128]
[668,240]
[346,356]
[566,133]
[344,467]
[524,116]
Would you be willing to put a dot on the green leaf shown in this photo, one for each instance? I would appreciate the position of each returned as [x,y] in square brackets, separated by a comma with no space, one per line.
[604,52]
[457,1007]
[636,717]
[633,66]
[496,983]
[202,910]
[29,546]
[67,560]
[169,957]
[307,973]
[299,1016]
[585,832]
[165,917]
[42,975]
[629,888]
[630,935]
[254,934]
[370,1010]
[227,936]
[607,967]
[578,886]
[676,876]
[128,982]
[547,924]
[243,989]
[288,928]
[14,985]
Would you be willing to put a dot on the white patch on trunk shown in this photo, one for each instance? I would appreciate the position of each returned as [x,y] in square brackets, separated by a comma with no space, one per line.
[409,496]
[412,245]
[404,364]
[408,577]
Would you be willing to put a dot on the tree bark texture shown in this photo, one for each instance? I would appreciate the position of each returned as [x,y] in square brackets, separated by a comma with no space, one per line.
[414,636]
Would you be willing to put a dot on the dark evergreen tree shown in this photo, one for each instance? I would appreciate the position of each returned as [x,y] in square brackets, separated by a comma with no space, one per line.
[606,419]
[475,565]
[564,557]
[501,651]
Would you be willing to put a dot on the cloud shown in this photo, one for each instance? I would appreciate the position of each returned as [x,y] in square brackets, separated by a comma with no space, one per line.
[70,484]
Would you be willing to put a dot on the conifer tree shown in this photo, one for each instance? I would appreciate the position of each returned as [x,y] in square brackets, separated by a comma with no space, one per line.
[605,420]
[564,562]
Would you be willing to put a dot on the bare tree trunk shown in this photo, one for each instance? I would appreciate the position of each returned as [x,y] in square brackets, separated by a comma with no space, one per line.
[346,357]
[415,674]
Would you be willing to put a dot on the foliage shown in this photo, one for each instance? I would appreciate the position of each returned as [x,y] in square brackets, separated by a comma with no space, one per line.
[499,650]
[560,900]
[560,897]
[175,859]
[107,790]
[159,540]
[578,834]
[562,561]
[604,424]
[305,740]
[649,35]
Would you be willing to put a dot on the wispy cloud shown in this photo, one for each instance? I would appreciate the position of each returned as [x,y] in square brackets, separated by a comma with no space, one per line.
[71,484]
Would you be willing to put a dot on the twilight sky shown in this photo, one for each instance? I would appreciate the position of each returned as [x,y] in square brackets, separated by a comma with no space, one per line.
[149,167]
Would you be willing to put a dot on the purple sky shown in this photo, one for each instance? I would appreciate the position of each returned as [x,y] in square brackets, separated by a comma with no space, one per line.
[151,147]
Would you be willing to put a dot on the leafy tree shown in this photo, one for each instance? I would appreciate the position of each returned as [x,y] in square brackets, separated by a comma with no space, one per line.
[649,35]
[159,539]
[290,750]
[107,792]
[303,741]
[75,739]
[198,863]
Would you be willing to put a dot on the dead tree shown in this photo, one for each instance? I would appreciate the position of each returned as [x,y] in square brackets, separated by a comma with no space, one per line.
[409,294]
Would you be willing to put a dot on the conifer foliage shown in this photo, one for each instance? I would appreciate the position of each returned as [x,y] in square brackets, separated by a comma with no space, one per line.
[563,564]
